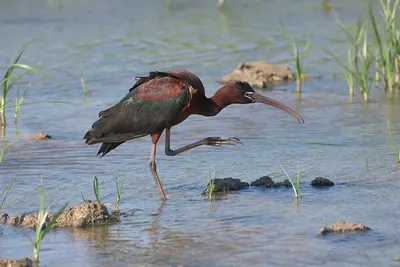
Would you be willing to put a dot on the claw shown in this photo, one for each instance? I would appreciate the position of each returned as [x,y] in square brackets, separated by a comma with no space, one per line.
[219,141]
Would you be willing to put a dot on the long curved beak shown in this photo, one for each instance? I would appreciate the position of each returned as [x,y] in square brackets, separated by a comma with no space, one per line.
[268,101]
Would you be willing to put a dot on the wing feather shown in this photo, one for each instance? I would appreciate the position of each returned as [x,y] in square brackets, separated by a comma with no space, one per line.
[150,106]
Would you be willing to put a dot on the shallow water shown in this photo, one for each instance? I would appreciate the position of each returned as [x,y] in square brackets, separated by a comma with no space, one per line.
[345,141]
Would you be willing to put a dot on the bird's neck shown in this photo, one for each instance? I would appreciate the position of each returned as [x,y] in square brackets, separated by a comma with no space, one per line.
[212,106]
[221,98]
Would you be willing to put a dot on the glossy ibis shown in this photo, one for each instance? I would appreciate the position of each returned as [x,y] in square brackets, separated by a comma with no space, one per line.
[163,99]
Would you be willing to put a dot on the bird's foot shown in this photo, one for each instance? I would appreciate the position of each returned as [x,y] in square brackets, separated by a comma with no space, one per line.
[220,141]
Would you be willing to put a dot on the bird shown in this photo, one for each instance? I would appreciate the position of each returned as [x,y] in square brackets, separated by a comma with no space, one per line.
[163,99]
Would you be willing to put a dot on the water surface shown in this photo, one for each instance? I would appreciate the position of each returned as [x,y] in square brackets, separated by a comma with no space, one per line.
[115,41]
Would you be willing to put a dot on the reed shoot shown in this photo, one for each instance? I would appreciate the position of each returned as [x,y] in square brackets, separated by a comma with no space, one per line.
[43,228]
[295,187]
[83,82]
[211,185]
[11,78]
[119,187]
[297,60]
[96,189]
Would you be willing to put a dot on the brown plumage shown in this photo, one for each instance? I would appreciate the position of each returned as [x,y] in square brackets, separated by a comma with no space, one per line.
[163,99]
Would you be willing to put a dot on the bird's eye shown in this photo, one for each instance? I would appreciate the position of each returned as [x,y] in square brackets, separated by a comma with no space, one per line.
[249,95]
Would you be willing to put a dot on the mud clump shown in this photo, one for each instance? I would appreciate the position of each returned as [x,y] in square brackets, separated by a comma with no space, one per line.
[226,185]
[261,74]
[89,213]
[322,182]
[264,181]
[341,227]
[267,182]
[39,136]
[25,262]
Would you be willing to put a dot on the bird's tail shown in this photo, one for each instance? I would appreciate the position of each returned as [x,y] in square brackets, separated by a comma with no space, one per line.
[91,139]
[107,147]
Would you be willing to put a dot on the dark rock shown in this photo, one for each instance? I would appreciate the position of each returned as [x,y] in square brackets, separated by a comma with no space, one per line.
[286,183]
[264,181]
[267,182]
[322,182]
[261,74]
[226,185]
[25,262]
[344,227]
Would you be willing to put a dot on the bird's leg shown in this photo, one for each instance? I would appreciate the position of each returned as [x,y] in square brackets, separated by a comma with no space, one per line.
[209,141]
[153,166]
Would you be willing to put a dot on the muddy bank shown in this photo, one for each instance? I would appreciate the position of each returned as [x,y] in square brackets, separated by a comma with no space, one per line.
[341,227]
[25,262]
[261,74]
[89,213]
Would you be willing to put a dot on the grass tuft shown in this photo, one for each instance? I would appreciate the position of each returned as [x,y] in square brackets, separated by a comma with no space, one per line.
[119,187]
[11,78]
[295,187]
[42,229]
[211,185]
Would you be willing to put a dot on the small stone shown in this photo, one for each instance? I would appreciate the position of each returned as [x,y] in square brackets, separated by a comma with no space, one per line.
[226,185]
[321,182]
[344,227]
[39,136]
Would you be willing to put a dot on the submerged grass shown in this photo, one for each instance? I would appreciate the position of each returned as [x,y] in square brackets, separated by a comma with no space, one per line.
[85,89]
[43,228]
[396,149]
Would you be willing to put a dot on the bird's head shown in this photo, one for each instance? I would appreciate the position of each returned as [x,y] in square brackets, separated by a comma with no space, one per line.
[244,94]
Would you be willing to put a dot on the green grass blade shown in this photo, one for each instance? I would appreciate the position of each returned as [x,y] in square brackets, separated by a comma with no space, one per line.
[375,29]
[96,189]
[290,180]
[53,220]
[31,69]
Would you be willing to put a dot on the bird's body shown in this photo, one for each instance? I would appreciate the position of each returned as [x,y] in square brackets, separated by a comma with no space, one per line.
[148,108]
[164,99]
